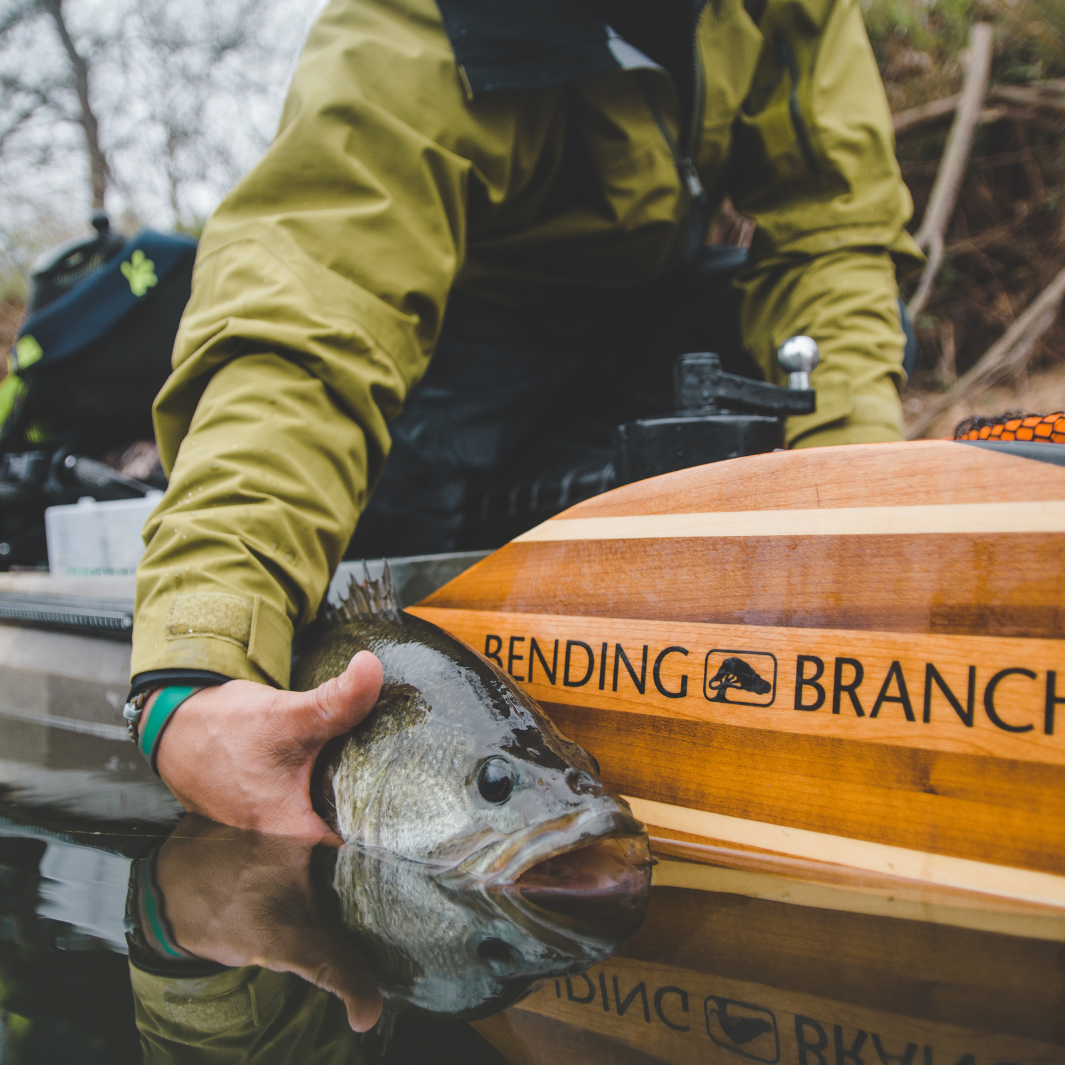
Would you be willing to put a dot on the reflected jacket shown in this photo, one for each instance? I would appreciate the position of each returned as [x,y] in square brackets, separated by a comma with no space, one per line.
[512,149]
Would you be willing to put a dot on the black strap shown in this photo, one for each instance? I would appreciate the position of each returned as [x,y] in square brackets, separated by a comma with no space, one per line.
[158,678]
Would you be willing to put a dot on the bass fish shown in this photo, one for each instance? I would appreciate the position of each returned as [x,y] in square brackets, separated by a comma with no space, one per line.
[458,768]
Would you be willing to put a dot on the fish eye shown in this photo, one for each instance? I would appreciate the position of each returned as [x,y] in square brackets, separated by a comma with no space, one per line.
[495,781]
[495,953]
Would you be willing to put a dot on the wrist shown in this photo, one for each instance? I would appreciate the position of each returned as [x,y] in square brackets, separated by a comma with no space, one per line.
[150,711]
[152,944]
[134,709]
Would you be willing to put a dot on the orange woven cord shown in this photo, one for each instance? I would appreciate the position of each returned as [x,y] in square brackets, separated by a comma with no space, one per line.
[1013,425]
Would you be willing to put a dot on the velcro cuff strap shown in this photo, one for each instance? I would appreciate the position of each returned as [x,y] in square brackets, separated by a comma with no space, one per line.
[157,717]
[260,629]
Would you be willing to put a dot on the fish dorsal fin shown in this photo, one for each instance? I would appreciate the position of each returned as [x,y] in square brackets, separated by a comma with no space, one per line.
[370,597]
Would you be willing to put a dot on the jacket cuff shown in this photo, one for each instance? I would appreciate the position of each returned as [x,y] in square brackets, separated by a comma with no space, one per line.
[231,636]
[845,418]
[164,678]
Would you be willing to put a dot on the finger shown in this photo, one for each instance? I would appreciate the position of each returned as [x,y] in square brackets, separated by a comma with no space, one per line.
[345,700]
[339,704]
[361,998]
[338,966]
[364,1013]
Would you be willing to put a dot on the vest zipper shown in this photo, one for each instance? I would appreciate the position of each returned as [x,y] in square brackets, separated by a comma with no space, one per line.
[700,201]
[697,199]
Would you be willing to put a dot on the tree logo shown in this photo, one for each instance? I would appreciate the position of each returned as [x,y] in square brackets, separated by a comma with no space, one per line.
[140,273]
[747,1030]
[746,678]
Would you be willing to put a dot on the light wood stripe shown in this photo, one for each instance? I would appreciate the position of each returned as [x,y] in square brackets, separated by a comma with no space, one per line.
[961,873]
[977,916]
[971,518]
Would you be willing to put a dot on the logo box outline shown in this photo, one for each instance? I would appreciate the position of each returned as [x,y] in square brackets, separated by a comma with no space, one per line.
[739,654]
[733,1047]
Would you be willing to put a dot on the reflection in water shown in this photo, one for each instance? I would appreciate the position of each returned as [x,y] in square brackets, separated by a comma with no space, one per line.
[214,894]
[244,947]
[736,966]
[275,945]
[470,951]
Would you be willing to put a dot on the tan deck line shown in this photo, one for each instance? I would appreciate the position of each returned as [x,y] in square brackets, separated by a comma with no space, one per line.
[956,518]
[963,873]
[979,915]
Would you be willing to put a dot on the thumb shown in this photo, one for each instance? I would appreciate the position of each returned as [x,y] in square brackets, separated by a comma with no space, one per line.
[337,965]
[339,704]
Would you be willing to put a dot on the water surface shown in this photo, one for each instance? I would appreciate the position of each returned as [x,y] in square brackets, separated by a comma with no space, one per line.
[730,965]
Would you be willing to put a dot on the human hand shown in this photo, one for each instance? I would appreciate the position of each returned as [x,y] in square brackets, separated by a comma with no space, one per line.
[243,753]
[240,898]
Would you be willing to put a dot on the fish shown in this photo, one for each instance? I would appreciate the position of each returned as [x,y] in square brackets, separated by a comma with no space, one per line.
[456,767]
[463,949]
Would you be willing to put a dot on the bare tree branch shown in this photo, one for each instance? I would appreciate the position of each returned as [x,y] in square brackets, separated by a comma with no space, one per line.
[1043,102]
[98,169]
[1004,357]
[929,236]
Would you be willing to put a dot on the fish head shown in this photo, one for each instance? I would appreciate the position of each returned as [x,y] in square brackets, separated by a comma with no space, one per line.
[542,797]
[513,791]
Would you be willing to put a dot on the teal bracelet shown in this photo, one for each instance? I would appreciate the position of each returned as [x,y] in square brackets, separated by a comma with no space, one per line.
[156,719]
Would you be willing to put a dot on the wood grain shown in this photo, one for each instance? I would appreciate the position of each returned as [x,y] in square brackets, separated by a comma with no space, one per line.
[986,809]
[907,563]
[959,874]
[929,520]
[993,585]
[757,875]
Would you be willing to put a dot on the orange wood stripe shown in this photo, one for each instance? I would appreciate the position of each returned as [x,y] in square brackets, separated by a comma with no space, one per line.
[887,475]
[1000,685]
[986,809]
[980,585]
[929,520]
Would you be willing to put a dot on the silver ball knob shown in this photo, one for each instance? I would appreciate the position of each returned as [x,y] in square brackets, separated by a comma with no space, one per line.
[798,358]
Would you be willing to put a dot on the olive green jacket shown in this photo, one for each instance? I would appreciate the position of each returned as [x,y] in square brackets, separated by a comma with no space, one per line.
[238,1016]
[321,280]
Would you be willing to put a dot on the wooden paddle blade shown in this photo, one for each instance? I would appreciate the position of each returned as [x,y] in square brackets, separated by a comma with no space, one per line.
[789,653]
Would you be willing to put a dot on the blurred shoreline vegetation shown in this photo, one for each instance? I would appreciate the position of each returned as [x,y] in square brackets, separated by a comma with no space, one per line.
[150,108]
[169,165]
[1006,239]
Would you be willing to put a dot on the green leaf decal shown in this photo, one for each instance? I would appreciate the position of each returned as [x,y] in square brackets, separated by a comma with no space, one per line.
[140,273]
[27,352]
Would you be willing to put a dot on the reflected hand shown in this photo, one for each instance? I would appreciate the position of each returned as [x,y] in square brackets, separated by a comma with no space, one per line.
[243,753]
[238,898]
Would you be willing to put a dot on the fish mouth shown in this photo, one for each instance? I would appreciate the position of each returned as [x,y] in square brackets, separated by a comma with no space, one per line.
[571,851]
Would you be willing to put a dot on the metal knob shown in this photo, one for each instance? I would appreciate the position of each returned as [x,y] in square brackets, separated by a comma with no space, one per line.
[798,357]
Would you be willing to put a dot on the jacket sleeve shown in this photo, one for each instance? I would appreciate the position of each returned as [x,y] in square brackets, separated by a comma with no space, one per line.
[318,294]
[241,1016]
[813,164]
